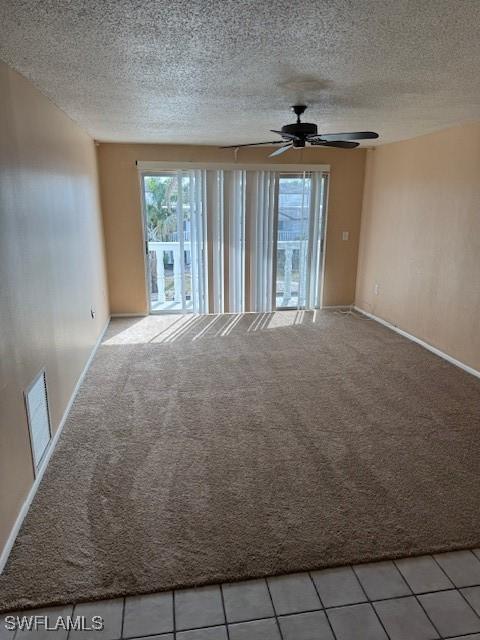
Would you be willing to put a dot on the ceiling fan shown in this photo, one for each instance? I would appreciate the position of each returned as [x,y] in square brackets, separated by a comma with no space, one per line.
[299,134]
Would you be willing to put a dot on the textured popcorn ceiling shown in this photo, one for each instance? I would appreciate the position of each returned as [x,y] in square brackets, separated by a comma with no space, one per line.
[217,71]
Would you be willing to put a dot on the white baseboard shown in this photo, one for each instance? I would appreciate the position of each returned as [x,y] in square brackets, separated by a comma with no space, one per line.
[128,315]
[347,307]
[422,343]
[48,454]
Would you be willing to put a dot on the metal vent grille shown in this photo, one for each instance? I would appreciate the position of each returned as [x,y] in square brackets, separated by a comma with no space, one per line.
[36,402]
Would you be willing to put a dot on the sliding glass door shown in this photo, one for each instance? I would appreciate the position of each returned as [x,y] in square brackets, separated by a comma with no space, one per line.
[265,240]
[299,240]
[175,237]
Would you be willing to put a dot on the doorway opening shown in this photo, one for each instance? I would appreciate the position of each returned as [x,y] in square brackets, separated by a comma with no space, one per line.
[174,242]
[300,240]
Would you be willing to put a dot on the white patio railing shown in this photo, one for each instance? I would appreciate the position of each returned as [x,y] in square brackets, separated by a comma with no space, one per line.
[160,248]
[283,236]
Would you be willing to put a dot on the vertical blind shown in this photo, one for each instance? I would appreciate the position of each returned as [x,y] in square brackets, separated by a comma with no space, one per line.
[234,241]
[232,218]
[198,237]
[262,201]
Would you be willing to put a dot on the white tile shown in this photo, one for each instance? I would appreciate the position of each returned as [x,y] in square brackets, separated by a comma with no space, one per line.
[462,567]
[111,612]
[449,612]
[306,626]
[381,580]
[404,619]
[256,630]
[338,586]
[147,615]
[201,607]
[472,594]
[211,633]
[293,593]
[163,636]
[423,574]
[355,622]
[247,600]
[52,615]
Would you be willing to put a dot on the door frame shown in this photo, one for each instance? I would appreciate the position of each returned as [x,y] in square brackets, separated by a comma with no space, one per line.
[146,266]
[323,245]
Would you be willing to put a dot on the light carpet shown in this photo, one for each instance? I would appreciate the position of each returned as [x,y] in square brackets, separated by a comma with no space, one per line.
[218,448]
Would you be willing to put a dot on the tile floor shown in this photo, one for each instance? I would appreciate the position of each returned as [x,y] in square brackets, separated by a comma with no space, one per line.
[420,598]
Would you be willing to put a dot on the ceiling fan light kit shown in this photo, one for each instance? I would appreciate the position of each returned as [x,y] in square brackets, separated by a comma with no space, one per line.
[300,134]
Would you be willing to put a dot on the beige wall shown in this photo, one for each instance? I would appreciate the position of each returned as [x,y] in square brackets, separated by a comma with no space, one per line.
[121,208]
[51,266]
[420,239]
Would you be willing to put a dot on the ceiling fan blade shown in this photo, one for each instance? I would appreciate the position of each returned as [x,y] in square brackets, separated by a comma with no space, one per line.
[354,135]
[287,136]
[278,152]
[340,144]
[252,144]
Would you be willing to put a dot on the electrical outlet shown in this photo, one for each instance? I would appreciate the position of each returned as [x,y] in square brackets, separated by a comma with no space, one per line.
[345,235]
[376,289]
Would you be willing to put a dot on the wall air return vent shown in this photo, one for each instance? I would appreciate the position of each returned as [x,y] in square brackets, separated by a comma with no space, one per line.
[36,402]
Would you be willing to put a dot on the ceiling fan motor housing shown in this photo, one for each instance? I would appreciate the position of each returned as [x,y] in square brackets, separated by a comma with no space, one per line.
[300,129]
